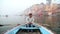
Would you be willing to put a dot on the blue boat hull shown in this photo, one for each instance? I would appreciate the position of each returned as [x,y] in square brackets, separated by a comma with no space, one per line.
[41,28]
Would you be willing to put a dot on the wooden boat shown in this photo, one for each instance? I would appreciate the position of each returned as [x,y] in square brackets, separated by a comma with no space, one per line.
[34,29]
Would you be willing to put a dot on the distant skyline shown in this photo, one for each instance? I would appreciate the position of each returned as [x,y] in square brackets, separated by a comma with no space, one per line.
[13,7]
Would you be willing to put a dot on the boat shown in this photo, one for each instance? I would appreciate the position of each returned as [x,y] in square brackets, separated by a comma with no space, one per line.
[1,25]
[34,29]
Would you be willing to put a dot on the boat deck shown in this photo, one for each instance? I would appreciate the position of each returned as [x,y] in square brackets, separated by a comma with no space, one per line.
[33,29]
[29,31]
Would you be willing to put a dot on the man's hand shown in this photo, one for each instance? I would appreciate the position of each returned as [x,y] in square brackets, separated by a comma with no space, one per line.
[30,23]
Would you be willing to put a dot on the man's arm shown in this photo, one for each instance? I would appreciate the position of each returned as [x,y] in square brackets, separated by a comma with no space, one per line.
[32,20]
[27,20]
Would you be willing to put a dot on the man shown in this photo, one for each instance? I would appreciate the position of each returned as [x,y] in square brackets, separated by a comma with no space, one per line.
[29,20]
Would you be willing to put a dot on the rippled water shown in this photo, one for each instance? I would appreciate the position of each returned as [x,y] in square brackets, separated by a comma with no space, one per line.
[53,21]
[3,29]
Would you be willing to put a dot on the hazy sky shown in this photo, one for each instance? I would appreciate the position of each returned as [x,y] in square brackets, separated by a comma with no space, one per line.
[12,7]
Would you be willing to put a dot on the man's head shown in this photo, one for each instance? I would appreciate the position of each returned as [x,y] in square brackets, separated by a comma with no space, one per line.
[30,15]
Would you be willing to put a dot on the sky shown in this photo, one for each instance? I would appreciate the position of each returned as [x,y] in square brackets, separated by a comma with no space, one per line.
[56,1]
[13,7]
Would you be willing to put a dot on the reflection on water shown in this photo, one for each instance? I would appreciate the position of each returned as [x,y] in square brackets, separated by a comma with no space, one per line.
[53,21]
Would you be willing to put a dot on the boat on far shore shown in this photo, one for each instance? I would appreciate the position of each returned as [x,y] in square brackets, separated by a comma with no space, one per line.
[1,25]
